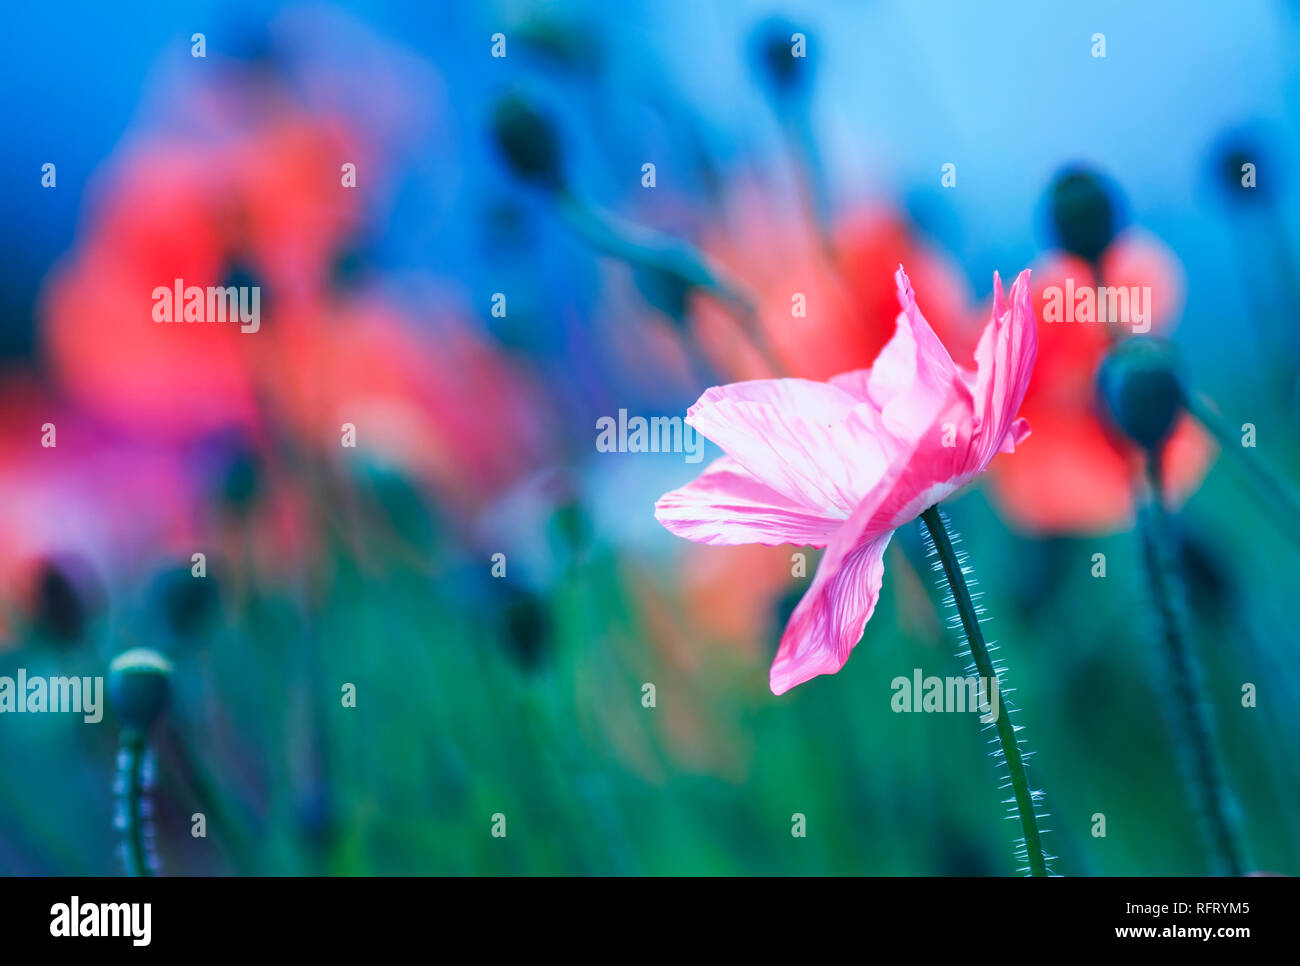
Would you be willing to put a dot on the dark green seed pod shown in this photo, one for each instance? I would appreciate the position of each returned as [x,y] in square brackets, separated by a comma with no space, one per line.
[773,45]
[527,628]
[528,142]
[1139,383]
[138,681]
[1237,160]
[185,605]
[1082,212]
[66,597]
[240,482]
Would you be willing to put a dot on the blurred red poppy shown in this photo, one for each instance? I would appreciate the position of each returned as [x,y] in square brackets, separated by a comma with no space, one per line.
[1075,473]
[441,402]
[265,203]
[823,307]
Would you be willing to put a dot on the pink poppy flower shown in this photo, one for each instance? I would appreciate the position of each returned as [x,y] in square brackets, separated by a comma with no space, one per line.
[844,463]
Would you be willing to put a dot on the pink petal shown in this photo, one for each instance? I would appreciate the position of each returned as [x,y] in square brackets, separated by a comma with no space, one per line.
[856,383]
[977,420]
[726,504]
[811,443]
[911,380]
[1004,362]
[829,620]
[1019,433]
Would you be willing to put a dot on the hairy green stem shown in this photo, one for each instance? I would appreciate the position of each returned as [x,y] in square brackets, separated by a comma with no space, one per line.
[1024,797]
[1187,705]
[131,817]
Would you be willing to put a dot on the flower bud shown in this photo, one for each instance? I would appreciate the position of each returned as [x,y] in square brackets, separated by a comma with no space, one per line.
[668,292]
[1237,160]
[1142,391]
[137,686]
[528,141]
[774,59]
[527,628]
[64,599]
[237,474]
[1082,213]
[184,604]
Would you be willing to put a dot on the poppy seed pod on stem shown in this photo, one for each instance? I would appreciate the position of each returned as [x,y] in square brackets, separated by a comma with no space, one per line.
[66,596]
[1082,212]
[526,623]
[528,142]
[666,269]
[1143,392]
[138,681]
[1236,160]
[137,688]
[184,604]
[773,45]
[239,479]
[1144,395]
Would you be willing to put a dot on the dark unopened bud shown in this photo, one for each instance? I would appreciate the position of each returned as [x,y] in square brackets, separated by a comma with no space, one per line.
[1139,384]
[66,596]
[1083,214]
[781,56]
[138,681]
[1237,159]
[528,142]
[238,477]
[666,291]
[185,603]
[527,628]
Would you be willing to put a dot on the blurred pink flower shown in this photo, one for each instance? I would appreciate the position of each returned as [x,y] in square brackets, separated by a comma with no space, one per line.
[844,463]
[69,489]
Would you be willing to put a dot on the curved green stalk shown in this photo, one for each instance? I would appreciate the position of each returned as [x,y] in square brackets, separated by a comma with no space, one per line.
[1010,744]
[1190,713]
[675,259]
